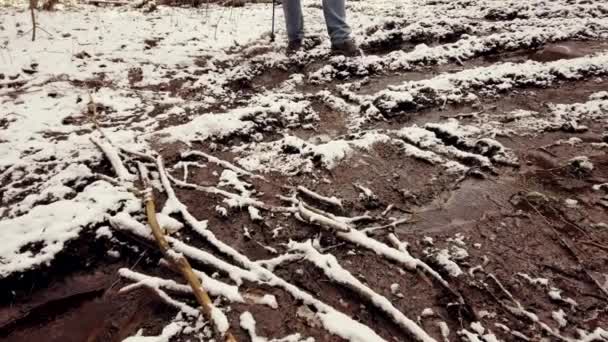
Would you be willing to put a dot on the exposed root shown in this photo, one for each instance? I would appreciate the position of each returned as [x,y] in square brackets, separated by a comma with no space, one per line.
[333,320]
[334,271]
[112,154]
[519,311]
[331,201]
[210,312]
[220,162]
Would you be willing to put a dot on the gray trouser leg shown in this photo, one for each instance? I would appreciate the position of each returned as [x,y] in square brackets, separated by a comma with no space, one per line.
[335,18]
[294,20]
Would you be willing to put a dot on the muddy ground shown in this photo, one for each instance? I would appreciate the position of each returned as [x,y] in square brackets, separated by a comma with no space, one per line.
[540,218]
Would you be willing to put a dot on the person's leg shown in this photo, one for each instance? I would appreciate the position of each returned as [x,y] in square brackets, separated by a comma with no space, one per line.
[335,18]
[294,20]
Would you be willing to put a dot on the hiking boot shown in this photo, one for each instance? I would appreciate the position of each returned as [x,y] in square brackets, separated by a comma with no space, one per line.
[293,47]
[347,48]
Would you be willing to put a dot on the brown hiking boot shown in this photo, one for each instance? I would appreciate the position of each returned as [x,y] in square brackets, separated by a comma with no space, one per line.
[293,47]
[347,48]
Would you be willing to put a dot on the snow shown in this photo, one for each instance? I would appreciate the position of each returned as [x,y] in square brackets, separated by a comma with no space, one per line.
[248,323]
[556,294]
[445,330]
[571,203]
[268,300]
[51,226]
[168,223]
[451,87]
[534,281]
[54,188]
[427,312]
[444,259]
[219,320]
[103,232]
[560,317]
[171,330]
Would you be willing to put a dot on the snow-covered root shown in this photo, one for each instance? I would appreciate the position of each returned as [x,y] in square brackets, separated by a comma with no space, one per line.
[332,320]
[337,273]
[232,198]
[181,263]
[247,322]
[515,333]
[220,162]
[332,201]
[213,286]
[155,286]
[185,165]
[271,264]
[425,267]
[112,154]
[393,224]
[171,330]
[125,222]
[399,254]
[307,214]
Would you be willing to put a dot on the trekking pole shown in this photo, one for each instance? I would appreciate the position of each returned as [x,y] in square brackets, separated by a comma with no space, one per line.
[273,15]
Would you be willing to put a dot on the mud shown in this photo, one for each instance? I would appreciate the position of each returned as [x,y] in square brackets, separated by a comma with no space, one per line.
[517,220]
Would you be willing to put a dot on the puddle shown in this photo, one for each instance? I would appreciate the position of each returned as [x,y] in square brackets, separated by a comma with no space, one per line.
[469,203]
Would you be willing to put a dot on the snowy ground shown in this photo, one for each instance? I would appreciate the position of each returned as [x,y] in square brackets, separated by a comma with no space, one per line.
[452,183]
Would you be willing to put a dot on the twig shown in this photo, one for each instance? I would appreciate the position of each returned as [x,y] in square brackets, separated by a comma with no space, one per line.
[595,244]
[242,201]
[137,154]
[570,250]
[393,224]
[220,162]
[33,14]
[519,310]
[387,210]
[116,182]
[544,149]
